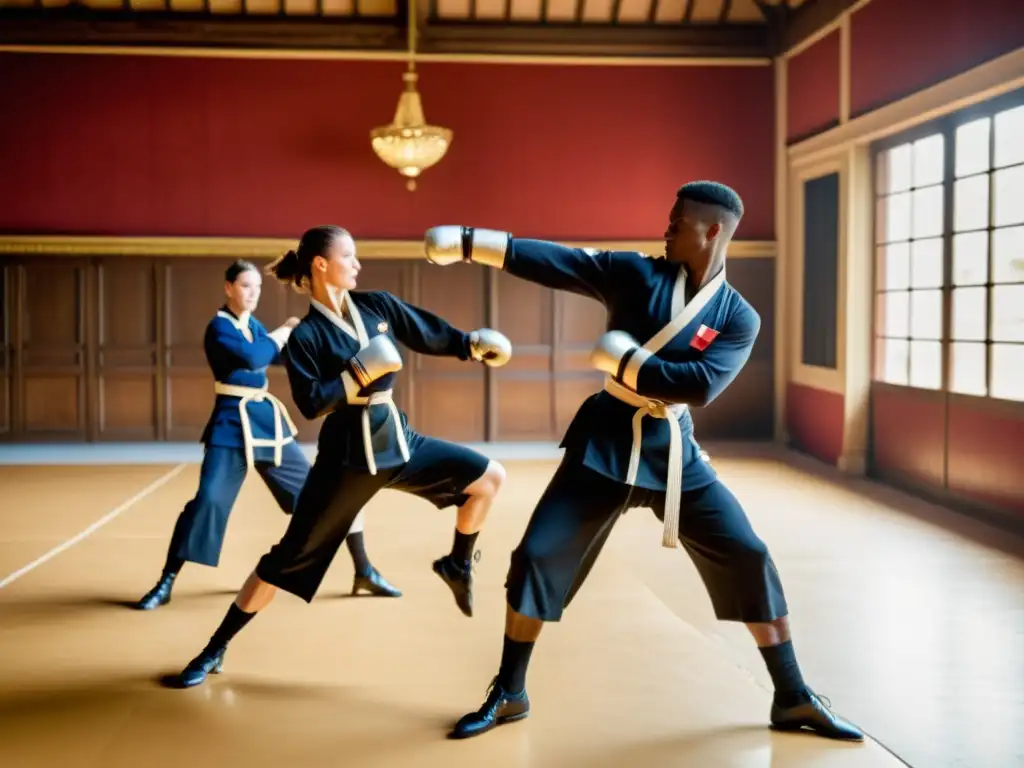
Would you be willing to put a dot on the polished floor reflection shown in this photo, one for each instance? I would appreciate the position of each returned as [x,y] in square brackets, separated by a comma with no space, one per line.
[910,620]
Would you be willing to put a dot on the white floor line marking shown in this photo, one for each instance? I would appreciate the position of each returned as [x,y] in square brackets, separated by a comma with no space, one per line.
[95,526]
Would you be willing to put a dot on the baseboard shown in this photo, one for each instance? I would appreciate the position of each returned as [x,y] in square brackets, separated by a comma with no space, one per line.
[26,454]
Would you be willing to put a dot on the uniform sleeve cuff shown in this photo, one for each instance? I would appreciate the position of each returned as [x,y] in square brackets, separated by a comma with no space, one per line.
[280,336]
[631,371]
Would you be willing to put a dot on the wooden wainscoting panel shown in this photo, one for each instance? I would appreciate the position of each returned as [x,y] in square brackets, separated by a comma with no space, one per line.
[523,407]
[108,347]
[53,341]
[189,401]
[193,291]
[579,322]
[6,350]
[448,395]
[126,349]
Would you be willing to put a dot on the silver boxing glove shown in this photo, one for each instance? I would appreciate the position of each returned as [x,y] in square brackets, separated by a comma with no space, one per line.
[616,352]
[449,244]
[490,347]
[379,358]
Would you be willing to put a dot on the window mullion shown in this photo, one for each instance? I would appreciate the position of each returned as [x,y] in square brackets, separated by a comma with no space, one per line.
[990,279]
[948,183]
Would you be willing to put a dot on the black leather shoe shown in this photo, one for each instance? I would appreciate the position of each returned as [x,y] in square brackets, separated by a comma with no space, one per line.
[499,708]
[815,715]
[459,579]
[374,583]
[158,595]
[206,663]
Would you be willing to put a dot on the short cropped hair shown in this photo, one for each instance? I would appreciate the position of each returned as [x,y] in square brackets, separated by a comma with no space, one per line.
[712,193]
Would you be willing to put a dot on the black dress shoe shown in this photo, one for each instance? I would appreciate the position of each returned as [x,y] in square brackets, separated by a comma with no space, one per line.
[815,715]
[499,708]
[459,578]
[206,663]
[374,583]
[158,595]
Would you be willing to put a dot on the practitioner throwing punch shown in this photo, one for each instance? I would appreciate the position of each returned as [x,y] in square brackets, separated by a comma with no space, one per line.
[342,363]
[678,334]
[249,428]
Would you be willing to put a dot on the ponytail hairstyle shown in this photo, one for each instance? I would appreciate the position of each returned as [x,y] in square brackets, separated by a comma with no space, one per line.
[295,268]
[237,268]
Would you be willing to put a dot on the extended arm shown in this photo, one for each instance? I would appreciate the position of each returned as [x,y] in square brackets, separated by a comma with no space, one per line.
[279,336]
[695,383]
[425,332]
[583,271]
[420,330]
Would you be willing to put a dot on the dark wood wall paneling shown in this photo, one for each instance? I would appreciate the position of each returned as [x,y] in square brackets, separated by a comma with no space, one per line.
[110,349]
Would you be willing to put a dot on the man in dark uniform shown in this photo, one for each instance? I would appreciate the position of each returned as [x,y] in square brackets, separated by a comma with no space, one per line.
[678,335]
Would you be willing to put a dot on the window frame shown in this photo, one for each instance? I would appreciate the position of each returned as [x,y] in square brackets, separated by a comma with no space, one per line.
[947,127]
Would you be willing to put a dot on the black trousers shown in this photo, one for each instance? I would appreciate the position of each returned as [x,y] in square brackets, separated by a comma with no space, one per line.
[576,514]
[333,496]
[199,532]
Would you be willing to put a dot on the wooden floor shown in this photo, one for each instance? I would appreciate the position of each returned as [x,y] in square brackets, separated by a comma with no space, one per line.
[909,618]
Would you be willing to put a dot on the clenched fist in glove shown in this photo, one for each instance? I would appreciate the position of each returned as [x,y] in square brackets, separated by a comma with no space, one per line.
[490,347]
[613,353]
[379,358]
[449,244]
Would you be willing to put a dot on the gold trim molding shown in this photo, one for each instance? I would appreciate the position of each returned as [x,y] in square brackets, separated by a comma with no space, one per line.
[271,248]
[399,56]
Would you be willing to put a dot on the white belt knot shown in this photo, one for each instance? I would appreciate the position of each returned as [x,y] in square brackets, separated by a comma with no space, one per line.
[671,412]
[248,395]
[380,398]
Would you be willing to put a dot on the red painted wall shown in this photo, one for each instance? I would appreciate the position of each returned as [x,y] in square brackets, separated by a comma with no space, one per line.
[901,46]
[814,421]
[812,88]
[908,433]
[233,147]
[985,442]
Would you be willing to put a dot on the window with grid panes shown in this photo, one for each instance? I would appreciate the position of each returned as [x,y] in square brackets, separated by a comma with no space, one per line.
[987,323]
[909,262]
[986,244]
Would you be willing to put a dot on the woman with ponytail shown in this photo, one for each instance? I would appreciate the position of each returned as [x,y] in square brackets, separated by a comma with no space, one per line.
[342,363]
[249,428]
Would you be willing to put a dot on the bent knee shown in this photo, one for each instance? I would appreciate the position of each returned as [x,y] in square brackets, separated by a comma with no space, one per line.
[750,555]
[490,482]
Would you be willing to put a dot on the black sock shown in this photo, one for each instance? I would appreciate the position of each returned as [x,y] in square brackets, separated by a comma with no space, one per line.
[462,547]
[789,683]
[233,622]
[515,658]
[173,565]
[357,548]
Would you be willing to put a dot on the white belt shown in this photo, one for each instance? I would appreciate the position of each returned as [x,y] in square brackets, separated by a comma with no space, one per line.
[674,482]
[379,398]
[248,395]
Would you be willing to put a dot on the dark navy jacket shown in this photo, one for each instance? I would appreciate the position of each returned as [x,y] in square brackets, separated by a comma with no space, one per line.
[640,294]
[234,359]
[318,351]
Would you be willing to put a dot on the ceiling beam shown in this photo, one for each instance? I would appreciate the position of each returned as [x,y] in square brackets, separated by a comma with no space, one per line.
[86,27]
[75,26]
[803,22]
[697,41]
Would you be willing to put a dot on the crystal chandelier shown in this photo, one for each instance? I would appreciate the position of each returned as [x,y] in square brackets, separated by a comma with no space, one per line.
[408,144]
